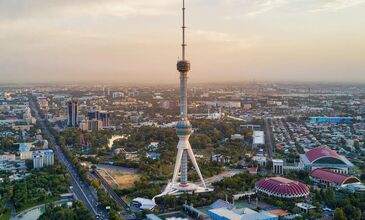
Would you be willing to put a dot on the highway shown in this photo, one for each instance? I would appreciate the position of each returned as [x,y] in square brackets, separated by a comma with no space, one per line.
[120,202]
[81,189]
[111,192]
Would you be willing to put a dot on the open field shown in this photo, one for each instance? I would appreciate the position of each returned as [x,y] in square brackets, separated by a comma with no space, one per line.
[118,177]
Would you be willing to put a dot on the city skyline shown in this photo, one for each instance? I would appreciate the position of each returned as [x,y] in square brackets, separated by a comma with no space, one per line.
[267,40]
[182,109]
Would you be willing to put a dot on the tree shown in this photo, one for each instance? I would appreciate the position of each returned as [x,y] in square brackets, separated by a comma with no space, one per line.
[11,192]
[29,164]
[114,215]
[42,186]
[296,210]
[329,196]
[95,183]
[339,214]
[76,212]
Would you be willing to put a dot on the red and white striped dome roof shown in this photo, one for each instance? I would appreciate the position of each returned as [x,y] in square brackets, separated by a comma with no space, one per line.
[282,187]
[321,152]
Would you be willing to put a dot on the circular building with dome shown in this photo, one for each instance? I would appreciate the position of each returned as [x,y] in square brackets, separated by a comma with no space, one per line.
[281,187]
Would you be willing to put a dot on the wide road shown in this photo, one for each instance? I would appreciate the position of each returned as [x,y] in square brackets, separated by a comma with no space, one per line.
[221,176]
[269,142]
[79,187]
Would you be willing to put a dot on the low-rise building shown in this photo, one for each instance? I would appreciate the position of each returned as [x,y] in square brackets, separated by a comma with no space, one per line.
[7,157]
[24,151]
[153,146]
[238,214]
[277,166]
[329,178]
[143,204]
[252,170]
[258,138]
[237,137]
[260,158]
[220,158]
[305,207]
[153,155]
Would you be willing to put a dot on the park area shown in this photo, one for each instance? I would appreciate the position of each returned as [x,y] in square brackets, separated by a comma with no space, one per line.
[118,177]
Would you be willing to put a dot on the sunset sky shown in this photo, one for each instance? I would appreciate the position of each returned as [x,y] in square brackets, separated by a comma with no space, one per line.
[139,40]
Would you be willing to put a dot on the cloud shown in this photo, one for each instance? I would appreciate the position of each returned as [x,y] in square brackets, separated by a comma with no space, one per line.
[266,6]
[252,8]
[226,39]
[130,7]
[259,7]
[78,8]
[336,5]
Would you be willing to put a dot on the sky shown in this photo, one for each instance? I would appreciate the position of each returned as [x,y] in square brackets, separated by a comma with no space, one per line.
[138,41]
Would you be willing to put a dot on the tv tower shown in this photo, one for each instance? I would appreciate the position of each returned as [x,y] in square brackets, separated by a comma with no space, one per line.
[184,130]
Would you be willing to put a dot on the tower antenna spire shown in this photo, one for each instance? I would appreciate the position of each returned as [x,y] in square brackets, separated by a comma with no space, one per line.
[183,31]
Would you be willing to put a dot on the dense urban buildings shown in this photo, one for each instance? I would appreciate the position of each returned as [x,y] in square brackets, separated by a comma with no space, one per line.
[90,129]
[269,155]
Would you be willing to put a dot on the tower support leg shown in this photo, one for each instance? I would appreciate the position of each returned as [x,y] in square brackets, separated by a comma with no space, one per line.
[192,158]
[177,165]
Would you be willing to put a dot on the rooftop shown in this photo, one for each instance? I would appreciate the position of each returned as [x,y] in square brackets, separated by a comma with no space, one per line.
[246,214]
[321,152]
[282,187]
[221,204]
[333,177]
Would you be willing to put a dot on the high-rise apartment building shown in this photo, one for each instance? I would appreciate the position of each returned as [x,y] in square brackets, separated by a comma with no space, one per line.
[43,158]
[48,158]
[94,125]
[37,160]
[72,110]
[103,116]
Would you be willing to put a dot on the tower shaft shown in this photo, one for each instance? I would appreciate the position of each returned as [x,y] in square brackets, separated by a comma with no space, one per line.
[184,103]
[183,96]
[184,169]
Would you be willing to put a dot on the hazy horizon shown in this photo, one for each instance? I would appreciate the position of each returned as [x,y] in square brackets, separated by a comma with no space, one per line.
[111,41]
